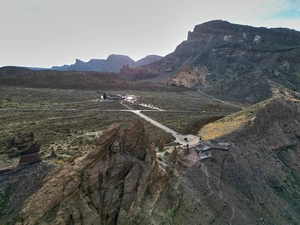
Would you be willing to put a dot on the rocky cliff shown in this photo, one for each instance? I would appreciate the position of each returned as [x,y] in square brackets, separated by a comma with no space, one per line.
[234,62]
[119,182]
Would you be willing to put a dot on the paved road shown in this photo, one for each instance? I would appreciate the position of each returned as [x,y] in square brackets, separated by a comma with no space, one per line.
[182,139]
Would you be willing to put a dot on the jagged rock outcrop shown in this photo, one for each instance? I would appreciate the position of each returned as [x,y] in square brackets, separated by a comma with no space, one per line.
[18,182]
[242,63]
[25,146]
[28,149]
[119,182]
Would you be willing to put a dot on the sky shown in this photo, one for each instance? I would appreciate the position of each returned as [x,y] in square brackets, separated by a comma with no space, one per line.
[44,33]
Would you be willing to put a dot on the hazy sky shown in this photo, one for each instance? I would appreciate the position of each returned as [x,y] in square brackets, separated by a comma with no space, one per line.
[43,33]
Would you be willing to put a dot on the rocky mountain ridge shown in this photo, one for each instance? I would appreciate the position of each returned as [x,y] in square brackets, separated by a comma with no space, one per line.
[233,62]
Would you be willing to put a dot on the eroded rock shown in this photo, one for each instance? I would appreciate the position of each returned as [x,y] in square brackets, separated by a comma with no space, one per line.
[119,182]
[25,146]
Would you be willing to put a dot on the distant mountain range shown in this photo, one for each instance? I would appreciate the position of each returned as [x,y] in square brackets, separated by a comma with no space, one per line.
[113,63]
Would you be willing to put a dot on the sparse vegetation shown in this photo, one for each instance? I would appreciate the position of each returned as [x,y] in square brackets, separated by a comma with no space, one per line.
[68,122]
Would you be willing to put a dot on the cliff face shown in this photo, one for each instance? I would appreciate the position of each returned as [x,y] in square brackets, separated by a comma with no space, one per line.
[242,62]
[119,182]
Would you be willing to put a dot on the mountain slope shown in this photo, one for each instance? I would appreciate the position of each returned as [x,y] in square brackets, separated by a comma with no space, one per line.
[234,62]
[257,180]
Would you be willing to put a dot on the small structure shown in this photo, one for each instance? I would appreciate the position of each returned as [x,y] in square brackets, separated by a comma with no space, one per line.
[133,99]
[205,150]
[205,154]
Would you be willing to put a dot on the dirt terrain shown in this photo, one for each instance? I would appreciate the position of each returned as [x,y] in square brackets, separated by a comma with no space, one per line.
[69,121]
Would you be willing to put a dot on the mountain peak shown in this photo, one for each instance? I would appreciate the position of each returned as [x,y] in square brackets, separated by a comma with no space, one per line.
[221,27]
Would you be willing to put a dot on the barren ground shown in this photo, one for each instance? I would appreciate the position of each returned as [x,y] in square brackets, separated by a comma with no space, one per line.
[68,121]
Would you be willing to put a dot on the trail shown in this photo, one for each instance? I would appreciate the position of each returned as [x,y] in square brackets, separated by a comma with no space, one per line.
[218,192]
[219,100]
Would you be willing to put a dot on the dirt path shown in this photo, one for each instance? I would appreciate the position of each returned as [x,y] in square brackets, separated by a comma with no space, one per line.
[218,100]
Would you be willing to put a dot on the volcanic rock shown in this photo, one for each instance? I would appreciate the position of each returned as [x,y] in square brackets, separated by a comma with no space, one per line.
[119,182]
[257,180]
[27,147]
[233,62]
[188,77]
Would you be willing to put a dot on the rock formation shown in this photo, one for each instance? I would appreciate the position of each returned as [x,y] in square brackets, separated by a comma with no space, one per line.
[119,182]
[28,149]
[25,146]
[188,77]
[18,182]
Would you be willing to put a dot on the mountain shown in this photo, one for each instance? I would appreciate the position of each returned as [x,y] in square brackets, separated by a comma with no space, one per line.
[92,65]
[146,60]
[233,62]
[113,63]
